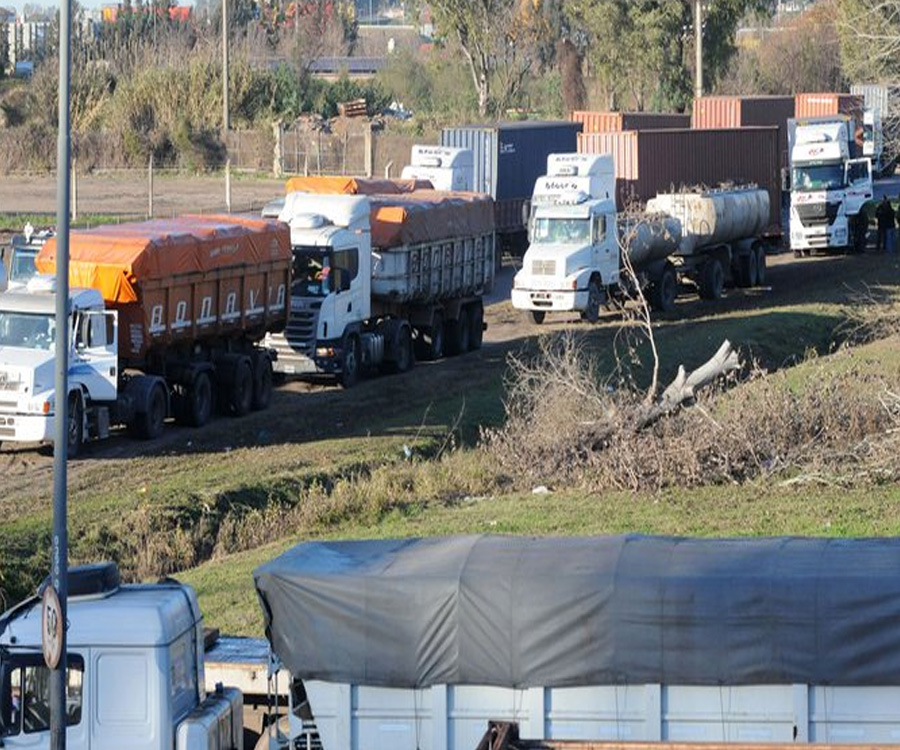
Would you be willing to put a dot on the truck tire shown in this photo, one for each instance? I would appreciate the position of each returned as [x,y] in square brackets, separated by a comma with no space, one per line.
[430,341]
[745,267]
[595,298]
[458,334]
[404,360]
[198,400]
[75,429]
[239,398]
[476,326]
[350,362]
[263,379]
[760,266]
[149,422]
[664,291]
[712,279]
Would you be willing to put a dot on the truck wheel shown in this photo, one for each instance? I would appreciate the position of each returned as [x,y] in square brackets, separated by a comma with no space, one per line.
[664,291]
[430,341]
[537,316]
[712,281]
[404,360]
[240,390]
[760,266]
[262,383]
[350,362]
[149,423]
[199,401]
[75,430]
[745,269]
[476,326]
[595,298]
[458,334]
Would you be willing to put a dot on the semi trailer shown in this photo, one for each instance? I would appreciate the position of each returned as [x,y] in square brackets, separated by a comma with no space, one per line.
[166,319]
[382,279]
[583,252]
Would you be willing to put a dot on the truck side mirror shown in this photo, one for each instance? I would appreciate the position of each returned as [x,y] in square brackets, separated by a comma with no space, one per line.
[785,179]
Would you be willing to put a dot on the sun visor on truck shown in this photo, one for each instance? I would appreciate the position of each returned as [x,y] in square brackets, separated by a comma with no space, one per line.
[524,612]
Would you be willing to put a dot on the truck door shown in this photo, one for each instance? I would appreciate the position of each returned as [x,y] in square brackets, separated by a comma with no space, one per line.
[350,293]
[96,360]
[605,250]
[858,178]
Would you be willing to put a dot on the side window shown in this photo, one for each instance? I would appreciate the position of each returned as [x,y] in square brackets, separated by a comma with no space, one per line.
[25,696]
[599,229]
[344,267]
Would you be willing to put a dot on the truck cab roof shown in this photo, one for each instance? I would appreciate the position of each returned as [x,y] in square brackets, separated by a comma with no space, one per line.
[130,615]
[43,301]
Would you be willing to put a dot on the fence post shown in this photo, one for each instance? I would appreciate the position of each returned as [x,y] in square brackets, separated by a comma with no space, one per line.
[228,184]
[278,161]
[370,151]
[150,187]
[74,211]
[318,152]
[344,154]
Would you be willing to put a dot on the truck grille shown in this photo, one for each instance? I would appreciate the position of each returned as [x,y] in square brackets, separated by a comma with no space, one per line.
[543,268]
[817,214]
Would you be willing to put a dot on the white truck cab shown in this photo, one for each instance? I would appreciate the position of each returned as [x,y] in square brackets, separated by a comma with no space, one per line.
[444,167]
[573,255]
[27,351]
[828,189]
[21,255]
[135,671]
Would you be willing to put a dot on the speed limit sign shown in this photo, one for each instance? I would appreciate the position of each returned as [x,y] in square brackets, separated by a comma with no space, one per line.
[51,628]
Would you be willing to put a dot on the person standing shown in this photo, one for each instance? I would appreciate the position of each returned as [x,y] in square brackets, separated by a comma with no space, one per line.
[884,215]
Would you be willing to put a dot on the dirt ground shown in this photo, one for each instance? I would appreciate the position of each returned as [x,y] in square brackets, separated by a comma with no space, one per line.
[127,194]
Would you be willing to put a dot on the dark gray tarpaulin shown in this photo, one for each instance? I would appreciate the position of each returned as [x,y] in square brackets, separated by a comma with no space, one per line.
[522,612]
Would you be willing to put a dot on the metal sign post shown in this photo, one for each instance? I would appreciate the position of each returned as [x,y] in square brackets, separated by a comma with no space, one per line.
[57,611]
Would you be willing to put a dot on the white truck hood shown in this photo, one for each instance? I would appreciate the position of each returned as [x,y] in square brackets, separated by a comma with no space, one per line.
[26,370]
[542,262]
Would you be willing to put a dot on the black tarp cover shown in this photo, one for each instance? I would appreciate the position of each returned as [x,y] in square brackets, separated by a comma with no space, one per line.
[522,612]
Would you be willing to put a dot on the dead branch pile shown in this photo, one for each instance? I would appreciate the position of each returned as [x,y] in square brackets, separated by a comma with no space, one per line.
[567,427]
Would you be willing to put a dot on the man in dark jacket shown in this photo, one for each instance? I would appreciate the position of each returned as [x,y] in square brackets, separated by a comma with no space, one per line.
[885,216]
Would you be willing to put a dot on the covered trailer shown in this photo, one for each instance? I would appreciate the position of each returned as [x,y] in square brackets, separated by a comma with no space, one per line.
[417,643]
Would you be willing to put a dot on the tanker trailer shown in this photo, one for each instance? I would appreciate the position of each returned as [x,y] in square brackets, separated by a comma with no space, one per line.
[721,234]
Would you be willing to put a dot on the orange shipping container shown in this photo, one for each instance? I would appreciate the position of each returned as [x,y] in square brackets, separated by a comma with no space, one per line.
[823,104]
[177,281]
[607,122]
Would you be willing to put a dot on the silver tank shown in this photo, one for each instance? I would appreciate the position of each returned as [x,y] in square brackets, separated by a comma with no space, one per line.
[714,216]
[649,238]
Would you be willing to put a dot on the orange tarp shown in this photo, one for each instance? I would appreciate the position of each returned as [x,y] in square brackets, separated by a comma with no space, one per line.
[328,185]
[429,216]
[116,259]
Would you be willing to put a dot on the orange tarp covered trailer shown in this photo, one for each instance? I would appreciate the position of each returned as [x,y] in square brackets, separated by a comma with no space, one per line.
[332,185]
[429,216]
[178,281]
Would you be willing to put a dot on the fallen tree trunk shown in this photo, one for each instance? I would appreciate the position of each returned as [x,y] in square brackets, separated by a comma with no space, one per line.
[683,389]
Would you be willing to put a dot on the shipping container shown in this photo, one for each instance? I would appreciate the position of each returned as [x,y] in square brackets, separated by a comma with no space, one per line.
[716,112]
[654,161]
[605,122]
[822,104]
[509,157]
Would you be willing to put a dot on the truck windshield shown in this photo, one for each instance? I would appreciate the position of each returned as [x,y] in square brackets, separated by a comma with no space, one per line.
[27,330]
[21,267]
[561,231]
[311,274]
[818,177]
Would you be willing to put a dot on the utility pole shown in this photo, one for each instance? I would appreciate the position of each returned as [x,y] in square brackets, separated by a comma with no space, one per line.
[226,122]
[698,49]
[54,611]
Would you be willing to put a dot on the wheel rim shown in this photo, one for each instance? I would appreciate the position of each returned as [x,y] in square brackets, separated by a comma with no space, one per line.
[157,413]
[437,339]
[245,389]
[593,309]
[74,431]
[718,281]
[753,270]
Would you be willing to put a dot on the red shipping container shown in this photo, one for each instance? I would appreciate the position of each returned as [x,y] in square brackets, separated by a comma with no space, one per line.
[656,161]
[713,112]
[608,122]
